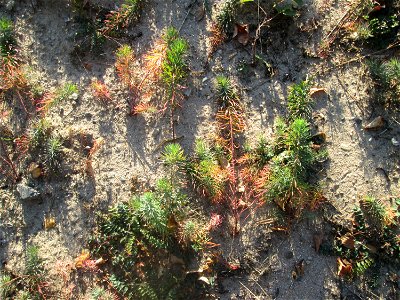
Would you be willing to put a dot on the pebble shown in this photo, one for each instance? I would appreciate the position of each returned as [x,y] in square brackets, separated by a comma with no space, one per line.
[395,142]
[26,192]
[346,147]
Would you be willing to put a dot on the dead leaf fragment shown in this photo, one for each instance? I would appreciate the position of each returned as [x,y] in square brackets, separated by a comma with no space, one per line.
[317,91]
[344,267]
[80,260]
[318,241]
[241,31]
[375,124]
[35,170]
[49,222]
[348,241]
[298,269]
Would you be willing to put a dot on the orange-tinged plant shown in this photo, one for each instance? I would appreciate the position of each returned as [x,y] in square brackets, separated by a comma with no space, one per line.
[100,91]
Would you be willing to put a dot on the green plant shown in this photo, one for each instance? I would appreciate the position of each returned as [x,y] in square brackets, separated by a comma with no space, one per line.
[371,240]
[7,40]
[120,19]
[100,293]
[67,91]
[195,234]
[174,71]
[53,153]
[290,167]
[387,78]
[227,14]
[40,133]
[35,280]
[206,173]
[288,7]
[6,285]
[299,101]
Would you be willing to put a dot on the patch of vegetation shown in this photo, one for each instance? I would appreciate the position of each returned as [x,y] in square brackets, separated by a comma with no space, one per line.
[31,284]
[131,235]
[206,173]
[288,7]
[7,40]
[40,133]
[174,71]
[387,78]
[378,24]
[53,152]
[122,18]
[290,159]
[372,239]
[299,101]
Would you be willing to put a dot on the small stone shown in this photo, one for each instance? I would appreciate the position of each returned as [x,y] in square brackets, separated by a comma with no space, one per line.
[345,147]
[74,96]
[26,192]
[395,142]
[204,79]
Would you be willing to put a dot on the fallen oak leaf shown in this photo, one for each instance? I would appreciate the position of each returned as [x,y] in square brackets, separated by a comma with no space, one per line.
[241,31]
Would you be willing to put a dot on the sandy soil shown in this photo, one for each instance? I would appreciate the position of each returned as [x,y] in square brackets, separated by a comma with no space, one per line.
[359,162]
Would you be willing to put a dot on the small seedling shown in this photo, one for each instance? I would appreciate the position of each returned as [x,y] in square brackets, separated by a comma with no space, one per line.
[49,100]
[387,77]
[120,19]
[53,154]
[299,101]
[124,65]
[40,133]
[100,91]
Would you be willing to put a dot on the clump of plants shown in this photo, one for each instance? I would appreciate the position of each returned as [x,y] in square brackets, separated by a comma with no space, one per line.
[159,83]
[133,236]
[206,172]
[97,23]
[387,78]
[285,165]
[32,284]
[372,239]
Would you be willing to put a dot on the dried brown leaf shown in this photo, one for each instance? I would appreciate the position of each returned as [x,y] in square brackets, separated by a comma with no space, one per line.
[241,31]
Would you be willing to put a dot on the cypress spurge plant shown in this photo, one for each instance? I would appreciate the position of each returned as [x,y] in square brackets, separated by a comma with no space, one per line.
[299,101]
[120,19]
[131,234]
[206,173]
[53,153]
[62,94]
[371,240]
[231,122]
[387,78]
[174,72]
[224,22]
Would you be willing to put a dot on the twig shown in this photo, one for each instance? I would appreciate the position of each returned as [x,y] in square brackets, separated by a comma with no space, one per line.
[254,295]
